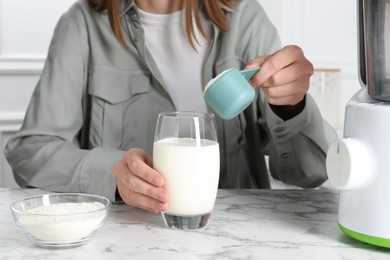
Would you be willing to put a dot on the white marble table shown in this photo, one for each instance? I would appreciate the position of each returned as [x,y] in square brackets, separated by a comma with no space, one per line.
[245,224]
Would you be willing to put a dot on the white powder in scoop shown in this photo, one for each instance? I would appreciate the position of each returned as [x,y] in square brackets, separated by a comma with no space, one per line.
[62,223]
[214,79]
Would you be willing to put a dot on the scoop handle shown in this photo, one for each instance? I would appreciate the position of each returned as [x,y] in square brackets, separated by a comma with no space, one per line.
[249,73]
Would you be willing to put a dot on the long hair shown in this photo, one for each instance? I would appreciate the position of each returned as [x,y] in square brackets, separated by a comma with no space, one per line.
[213,9]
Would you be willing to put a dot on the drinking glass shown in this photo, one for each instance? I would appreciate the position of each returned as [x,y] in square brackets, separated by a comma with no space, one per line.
[186,153]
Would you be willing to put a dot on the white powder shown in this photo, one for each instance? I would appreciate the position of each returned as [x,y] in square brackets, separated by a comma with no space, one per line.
[63,223]
[214,79]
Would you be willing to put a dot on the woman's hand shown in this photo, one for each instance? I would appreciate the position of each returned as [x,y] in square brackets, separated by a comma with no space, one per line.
[138,183]
[284,76]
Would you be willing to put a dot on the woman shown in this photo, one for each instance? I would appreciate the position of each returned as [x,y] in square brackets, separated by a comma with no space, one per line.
[114,65]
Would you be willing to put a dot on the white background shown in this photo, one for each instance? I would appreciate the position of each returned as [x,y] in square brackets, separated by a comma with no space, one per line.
[326,30]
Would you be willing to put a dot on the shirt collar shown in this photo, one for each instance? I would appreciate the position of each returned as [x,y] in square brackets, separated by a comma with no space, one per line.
[127,5]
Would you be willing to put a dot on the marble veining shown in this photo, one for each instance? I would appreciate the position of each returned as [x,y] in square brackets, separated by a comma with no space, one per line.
[245,224]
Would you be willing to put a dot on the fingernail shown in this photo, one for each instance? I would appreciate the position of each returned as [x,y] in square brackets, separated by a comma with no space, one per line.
[163,206]
[161,196]
[157,182]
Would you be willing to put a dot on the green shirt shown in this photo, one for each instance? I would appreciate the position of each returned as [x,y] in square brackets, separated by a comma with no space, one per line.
[95,100]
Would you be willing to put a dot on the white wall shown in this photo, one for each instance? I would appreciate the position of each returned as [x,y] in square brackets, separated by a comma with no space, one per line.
[326,30]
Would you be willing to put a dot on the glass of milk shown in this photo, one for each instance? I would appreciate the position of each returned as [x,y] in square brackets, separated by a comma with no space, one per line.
[186,153]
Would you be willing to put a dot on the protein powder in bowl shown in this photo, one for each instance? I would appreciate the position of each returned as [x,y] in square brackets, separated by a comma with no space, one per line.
[60,219]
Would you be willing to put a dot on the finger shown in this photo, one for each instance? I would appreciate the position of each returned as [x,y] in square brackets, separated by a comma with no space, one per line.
[140,200]
[286,76]
[133,197]
[138,185]
[144,171]
[295,87]
[144,202]
[133,182]
[291,93]
[257,62]
[291,99]
[281,59]
[286,101]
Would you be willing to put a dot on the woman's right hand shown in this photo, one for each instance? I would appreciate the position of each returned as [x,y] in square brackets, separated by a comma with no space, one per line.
[139,184]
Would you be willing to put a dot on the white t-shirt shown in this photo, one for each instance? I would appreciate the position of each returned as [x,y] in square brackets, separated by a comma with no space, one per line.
[179,64]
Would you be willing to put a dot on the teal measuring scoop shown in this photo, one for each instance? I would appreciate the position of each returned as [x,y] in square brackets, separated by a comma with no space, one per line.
[229,93]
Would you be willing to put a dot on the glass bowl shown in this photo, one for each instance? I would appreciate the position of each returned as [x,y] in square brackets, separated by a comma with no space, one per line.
[60,219]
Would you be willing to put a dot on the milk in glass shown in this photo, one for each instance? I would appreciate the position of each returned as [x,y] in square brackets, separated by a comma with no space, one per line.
[191,171]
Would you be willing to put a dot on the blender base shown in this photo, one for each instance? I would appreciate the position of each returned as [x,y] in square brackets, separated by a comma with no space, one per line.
[377,241]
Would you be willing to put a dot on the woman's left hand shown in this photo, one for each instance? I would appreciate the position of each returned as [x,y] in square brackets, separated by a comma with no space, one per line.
[284,77]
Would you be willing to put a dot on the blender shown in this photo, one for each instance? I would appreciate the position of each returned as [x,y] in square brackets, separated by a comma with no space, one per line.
[359,163]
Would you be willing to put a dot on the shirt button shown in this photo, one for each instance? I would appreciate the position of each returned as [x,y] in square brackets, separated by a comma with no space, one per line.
[133,15]
[286,155]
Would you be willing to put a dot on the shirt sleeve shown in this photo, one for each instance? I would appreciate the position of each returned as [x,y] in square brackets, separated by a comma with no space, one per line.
[46,152]
[298,146]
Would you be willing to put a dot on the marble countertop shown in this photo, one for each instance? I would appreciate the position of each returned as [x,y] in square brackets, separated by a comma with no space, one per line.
[245,224]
